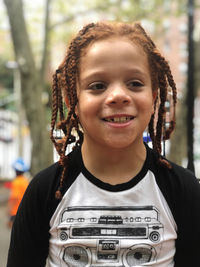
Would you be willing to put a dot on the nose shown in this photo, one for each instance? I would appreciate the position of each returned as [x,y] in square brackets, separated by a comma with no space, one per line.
[118,95]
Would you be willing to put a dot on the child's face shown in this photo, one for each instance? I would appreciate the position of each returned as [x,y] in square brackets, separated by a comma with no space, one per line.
[115,99]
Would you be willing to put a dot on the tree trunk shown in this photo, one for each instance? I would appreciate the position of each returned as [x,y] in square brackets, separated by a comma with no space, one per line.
[31,87]
[178,148]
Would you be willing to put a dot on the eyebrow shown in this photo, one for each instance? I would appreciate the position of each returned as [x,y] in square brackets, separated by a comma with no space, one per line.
[94,73]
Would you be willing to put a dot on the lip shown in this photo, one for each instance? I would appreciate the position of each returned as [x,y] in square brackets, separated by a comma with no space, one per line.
[119,120]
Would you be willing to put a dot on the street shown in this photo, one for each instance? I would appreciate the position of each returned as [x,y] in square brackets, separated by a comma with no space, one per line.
[4,230]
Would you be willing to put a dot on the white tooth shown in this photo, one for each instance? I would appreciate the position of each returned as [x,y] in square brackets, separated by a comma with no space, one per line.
[116,119]
[120,119]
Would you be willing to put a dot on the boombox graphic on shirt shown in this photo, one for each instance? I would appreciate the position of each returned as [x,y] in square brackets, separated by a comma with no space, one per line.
[109,236]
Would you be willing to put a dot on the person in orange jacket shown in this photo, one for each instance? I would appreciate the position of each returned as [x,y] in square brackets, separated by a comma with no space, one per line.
[17,188]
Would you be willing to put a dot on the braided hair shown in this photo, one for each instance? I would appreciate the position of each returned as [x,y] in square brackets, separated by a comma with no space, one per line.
[65,80]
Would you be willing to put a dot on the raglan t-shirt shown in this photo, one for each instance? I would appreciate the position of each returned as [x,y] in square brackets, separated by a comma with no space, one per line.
[152,220]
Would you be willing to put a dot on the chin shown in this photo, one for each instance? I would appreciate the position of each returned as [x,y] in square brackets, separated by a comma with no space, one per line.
[120,144]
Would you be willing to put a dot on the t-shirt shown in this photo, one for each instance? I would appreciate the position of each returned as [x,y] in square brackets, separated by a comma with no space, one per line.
[151,220]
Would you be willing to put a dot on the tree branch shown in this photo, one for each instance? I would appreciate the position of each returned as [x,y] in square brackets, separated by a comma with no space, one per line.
[45,52]
[21,42]
[85,12]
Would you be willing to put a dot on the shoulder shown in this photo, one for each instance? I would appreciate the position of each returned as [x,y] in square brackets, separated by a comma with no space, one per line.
[46,176]
[183,174]
[182,178]
[43,183]
[178,184]
[47,180]
[187,185]
[39,194]
[21,180]
[175,174]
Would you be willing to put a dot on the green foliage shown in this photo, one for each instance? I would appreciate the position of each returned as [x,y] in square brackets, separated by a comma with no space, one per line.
[6,76]
[81,12]
[6,86]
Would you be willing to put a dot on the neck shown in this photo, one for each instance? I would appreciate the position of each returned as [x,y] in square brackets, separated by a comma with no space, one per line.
[114,166]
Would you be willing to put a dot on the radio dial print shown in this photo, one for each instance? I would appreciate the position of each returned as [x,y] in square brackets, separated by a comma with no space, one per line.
[63,235]
[154,236]
[109,236]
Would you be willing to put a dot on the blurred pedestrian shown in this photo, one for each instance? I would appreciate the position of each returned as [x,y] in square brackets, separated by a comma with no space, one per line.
[17,188]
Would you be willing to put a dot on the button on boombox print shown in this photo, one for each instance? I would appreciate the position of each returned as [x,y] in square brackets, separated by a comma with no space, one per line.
[109,236]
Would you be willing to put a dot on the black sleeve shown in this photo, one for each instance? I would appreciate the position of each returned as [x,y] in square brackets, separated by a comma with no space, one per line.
[30,233]
[188,220]
[182,192]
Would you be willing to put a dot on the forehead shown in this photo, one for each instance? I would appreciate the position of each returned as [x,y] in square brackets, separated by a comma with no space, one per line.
[115,41]
[114,53]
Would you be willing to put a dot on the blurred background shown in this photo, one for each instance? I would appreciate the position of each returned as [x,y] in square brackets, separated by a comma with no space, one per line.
[33,39]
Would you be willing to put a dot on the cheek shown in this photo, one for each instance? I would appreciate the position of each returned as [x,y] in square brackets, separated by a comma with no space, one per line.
[146,103]
[146,107]
[86,108]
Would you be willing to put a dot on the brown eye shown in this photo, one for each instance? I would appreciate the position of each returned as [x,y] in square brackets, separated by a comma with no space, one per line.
[97,86]
[134,84]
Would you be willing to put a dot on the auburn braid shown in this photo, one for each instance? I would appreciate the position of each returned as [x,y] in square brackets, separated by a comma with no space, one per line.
[165,81]
[65,82]
[161,110]
[68,70]
[54,107]
[172,85]
[174,97]
[162,80]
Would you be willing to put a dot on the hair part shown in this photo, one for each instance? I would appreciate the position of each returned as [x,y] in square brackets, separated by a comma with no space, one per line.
[65,81]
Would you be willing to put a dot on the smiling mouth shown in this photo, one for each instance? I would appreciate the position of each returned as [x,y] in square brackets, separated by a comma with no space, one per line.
[119,119]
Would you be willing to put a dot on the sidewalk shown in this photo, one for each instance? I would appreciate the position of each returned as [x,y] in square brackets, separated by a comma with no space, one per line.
[4,230]
[4,193]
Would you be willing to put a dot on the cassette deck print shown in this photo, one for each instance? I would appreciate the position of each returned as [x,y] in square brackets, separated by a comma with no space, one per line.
[100,236]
